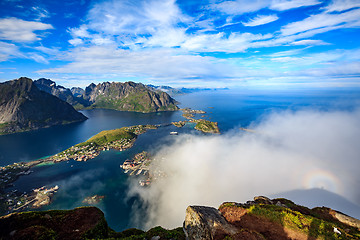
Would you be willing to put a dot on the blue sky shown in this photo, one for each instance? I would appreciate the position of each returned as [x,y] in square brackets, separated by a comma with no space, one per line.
[209,43]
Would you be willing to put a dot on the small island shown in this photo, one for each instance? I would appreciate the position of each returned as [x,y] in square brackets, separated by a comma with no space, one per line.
[93,199]
[202,125]
[207,126]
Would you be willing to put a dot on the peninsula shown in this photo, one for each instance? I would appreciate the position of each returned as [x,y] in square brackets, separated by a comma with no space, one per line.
[119,139]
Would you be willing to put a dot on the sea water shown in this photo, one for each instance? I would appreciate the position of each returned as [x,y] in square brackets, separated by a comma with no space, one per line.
[103,176]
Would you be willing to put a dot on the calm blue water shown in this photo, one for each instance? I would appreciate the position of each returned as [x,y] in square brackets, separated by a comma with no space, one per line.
[103,176]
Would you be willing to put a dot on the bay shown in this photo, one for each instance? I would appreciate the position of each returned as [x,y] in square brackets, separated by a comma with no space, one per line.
[103,176]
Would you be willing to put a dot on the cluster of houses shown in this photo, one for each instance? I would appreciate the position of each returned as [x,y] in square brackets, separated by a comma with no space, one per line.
[90,151]
[139,165]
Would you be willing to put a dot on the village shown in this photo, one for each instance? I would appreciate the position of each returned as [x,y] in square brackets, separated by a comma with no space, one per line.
[91,149]
[13,201]
[139,166]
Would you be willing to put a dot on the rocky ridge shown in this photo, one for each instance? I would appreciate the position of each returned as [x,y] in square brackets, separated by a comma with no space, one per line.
[61,92]
[128,96]
[24,107]
[268,219]
[263,218]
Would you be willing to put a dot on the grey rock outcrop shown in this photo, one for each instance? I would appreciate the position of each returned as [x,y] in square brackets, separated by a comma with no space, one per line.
[206,223]
[61,92]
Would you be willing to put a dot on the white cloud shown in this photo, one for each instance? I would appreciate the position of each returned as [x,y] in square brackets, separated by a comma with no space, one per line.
[40,13]
[80,32]
[8,50]
[37,58]
[18,30]
[282,5]
[142,17]
[260,20]
[342,5]
[76,41]
[323,22]
[235,42]
[310,42]
[239,7]
[154,64]
[290,150]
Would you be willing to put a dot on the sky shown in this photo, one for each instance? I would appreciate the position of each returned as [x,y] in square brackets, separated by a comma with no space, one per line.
[208,43]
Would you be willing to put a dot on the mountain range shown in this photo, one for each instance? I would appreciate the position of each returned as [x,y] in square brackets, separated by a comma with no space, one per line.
[127,96]
[27,105]
[24,107]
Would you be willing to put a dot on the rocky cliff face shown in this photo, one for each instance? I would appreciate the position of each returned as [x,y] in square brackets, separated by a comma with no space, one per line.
[61,92]
[128,96]
[268,219]
[24,107]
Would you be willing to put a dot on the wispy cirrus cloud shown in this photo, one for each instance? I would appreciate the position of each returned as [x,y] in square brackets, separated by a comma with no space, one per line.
[260,20]
[282,5]
[8,50]
[342,5]
[167,64]
[40,13]
[239,7]
[310,42]
[18,30]
[323,22]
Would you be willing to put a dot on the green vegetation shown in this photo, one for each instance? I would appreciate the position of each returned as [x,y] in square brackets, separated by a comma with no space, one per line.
[136,234]
[188,115]
[137,102]
[120,139]
[310,225]
[207,126]
[179,124]
[109,136]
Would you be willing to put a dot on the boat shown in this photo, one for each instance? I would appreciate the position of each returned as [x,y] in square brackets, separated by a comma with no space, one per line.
[174,133]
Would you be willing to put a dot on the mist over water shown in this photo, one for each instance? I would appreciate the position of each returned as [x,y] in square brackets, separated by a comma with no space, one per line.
[290,150]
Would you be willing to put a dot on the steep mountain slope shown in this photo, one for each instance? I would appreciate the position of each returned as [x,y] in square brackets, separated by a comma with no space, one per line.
[128,96]
[61,92]
[24,107]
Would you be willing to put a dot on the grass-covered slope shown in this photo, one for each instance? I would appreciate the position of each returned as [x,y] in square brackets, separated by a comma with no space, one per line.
[120,139]
[285,219]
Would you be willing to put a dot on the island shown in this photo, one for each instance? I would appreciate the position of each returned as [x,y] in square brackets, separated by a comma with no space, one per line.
[93,199]
[202,125]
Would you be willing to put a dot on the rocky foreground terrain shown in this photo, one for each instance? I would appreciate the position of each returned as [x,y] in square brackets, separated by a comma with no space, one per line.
[24,107]
[259,219]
